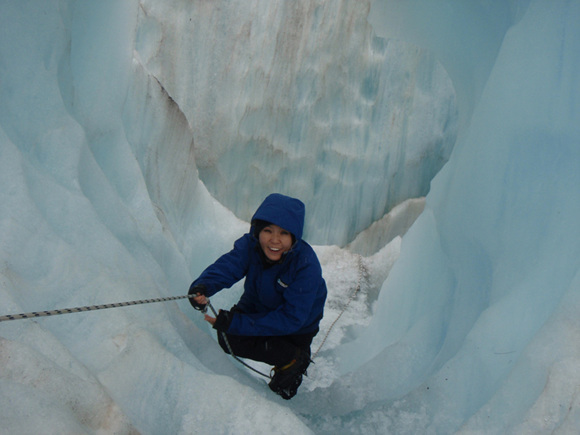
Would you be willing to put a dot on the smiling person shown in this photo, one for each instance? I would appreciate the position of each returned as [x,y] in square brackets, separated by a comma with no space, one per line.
[279,312]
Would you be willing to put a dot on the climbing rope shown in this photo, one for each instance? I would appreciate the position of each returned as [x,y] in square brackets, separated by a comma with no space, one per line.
[36,314]
[87,308]
[352,296]
[225,337]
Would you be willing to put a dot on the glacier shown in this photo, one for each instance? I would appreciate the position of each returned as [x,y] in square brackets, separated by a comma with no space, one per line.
[436,145]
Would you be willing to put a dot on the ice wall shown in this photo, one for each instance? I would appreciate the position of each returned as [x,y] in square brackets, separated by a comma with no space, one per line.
[474,330]
[100,202]
[301,97]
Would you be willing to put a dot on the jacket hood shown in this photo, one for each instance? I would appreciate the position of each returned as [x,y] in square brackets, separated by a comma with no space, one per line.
[284,211]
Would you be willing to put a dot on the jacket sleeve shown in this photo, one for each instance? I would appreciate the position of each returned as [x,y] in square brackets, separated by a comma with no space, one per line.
[228,269]
[302,306]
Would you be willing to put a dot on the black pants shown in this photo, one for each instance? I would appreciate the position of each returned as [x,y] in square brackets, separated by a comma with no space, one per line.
[274,350]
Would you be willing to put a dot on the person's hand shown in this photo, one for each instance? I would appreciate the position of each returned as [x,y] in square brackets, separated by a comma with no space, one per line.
[211,320]
[222,322]
[199,301]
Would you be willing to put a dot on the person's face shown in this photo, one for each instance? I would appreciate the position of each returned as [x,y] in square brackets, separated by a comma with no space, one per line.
[275,241]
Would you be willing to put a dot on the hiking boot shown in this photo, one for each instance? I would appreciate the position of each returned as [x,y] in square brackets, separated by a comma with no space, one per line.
[287,379]
[290,391]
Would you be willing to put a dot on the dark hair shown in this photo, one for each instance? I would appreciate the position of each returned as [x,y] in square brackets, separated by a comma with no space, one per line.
[259,225]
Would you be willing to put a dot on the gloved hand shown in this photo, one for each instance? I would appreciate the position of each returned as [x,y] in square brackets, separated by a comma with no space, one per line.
[199,290]
[223,321]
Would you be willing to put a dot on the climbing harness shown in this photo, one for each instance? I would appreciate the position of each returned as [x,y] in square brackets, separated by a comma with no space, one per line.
[36,314]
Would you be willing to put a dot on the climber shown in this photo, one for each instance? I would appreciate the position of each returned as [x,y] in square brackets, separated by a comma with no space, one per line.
[278,314]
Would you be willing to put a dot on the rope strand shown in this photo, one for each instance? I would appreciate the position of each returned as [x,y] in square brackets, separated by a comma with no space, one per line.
[225,337]
[352,296]
[36,314]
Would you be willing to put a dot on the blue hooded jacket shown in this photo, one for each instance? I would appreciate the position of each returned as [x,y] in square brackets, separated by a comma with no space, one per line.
[285,298]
